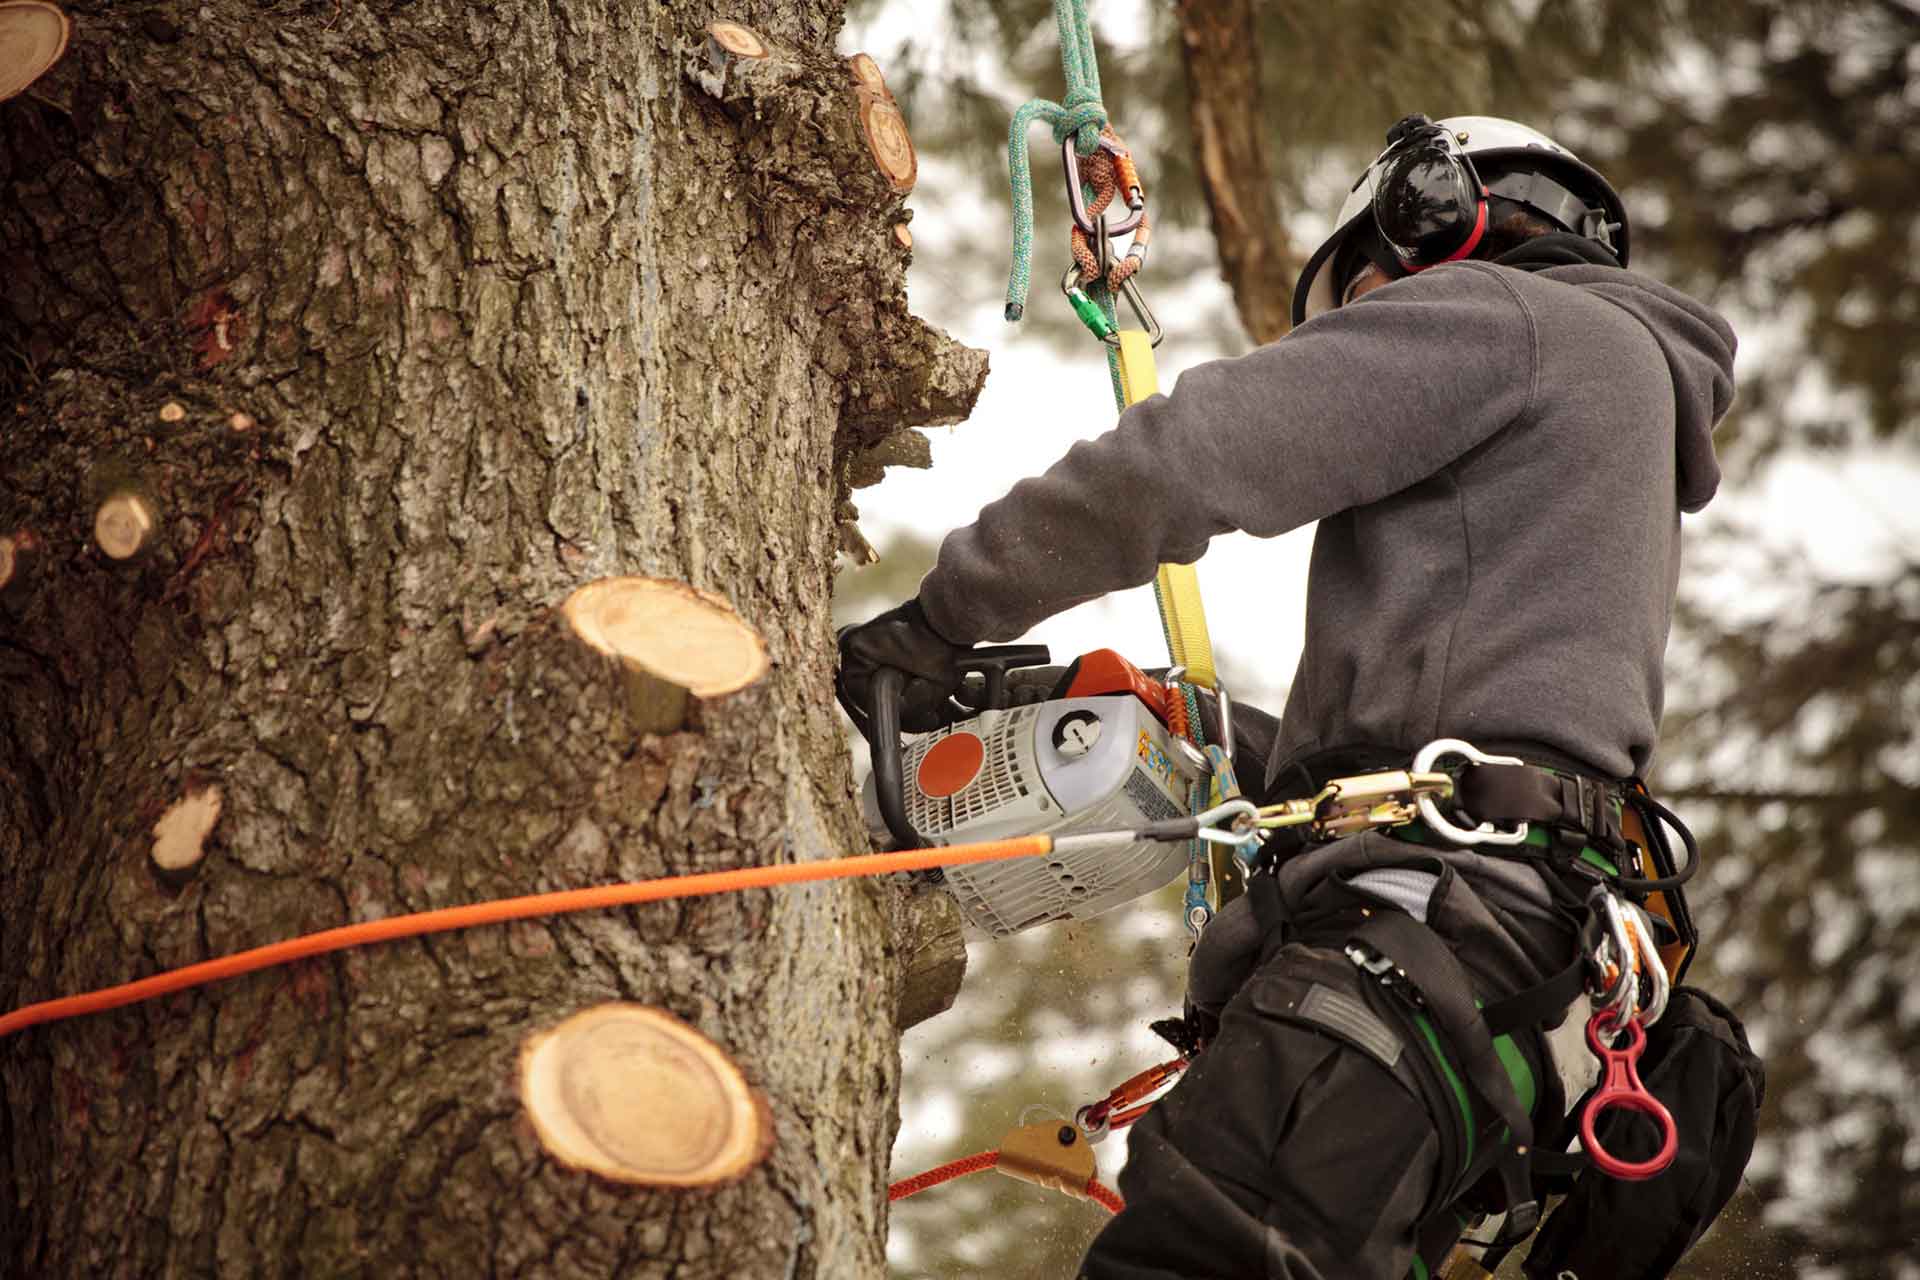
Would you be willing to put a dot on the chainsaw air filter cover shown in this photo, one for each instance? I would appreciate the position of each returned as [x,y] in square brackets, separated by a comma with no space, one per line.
[1066,766]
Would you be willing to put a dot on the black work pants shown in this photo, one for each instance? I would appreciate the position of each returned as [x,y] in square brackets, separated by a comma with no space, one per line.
[1297,1147]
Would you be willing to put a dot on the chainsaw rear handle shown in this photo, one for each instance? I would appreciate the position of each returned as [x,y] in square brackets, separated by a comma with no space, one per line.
[882,727]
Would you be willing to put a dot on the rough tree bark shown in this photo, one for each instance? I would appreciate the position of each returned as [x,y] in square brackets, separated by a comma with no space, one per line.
[466,305]
[1220,52]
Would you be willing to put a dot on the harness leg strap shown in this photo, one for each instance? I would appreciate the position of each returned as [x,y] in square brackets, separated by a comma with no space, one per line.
[1429,967]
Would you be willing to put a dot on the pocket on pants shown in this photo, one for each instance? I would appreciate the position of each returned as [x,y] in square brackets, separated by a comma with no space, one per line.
[1304,1101]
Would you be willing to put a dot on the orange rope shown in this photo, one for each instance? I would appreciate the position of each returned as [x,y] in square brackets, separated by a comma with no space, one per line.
[504,909]
[1097,1191]
[945,1173]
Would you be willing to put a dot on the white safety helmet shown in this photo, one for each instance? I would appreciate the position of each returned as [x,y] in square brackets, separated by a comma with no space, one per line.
[1423,199]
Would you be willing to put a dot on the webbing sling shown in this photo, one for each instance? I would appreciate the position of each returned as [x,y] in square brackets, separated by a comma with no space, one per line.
[1176,588]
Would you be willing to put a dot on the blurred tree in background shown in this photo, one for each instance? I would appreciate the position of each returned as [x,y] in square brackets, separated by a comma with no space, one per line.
[1767,151]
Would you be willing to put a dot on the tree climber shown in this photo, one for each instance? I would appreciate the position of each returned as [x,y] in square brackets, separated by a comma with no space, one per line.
[1497,428]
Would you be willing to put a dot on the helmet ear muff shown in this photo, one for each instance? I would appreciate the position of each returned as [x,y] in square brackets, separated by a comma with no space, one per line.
[1517,161]
[1428,201]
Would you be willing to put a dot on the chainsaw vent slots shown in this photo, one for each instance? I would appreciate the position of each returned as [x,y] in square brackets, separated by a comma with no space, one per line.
[998,784]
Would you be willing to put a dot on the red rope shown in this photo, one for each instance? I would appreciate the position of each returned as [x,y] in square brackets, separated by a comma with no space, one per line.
[1104,1196]
[945,1173]
[1097,1191]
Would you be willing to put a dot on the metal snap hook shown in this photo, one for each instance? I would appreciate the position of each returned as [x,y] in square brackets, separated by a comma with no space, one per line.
[1486,832]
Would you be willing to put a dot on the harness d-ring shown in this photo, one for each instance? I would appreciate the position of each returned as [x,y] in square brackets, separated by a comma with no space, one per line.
[1486,832]
[1620,1088]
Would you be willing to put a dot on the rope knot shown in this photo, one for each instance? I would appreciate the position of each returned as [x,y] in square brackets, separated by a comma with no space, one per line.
[1083,116]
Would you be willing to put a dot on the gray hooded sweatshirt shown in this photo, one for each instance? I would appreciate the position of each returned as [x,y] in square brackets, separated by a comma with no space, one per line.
[1498,460]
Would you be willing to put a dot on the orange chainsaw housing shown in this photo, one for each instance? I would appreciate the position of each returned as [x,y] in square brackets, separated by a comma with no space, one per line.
[1104,672]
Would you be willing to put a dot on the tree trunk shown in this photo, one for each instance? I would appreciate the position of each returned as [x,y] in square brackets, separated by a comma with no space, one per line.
[466,306]
[1220,52]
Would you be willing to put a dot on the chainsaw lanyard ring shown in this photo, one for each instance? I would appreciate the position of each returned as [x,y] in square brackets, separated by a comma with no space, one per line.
[1228,823]
[1486,832]
[1136,198]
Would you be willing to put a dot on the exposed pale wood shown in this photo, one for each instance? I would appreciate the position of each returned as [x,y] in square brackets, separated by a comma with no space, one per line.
[892,146]
[241,421]
[173,411]
[636,1095]
[866,73]
[180,836]
[741,42]
[902,235]
[123,525]
[18,550]
[33,36]
[885,127]
[683,635]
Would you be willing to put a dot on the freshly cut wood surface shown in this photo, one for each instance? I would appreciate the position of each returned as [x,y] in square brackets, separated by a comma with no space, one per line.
[742,42]
[886,129]
[12,559]
[122,524]
[180,836]
[866,73]
[636,1095]
[33,36]
[668,629]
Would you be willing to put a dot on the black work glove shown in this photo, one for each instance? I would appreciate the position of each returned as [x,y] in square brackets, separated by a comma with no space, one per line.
[901,638]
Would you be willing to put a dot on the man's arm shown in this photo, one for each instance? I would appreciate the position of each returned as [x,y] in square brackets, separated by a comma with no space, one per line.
[1348,409]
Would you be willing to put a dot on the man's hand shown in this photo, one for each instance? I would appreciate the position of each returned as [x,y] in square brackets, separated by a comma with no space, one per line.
[901,638]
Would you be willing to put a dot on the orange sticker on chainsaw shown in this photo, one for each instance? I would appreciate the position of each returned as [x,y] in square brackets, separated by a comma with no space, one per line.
[1157,761]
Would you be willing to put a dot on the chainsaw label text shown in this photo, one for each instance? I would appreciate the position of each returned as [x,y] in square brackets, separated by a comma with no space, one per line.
[1156,760]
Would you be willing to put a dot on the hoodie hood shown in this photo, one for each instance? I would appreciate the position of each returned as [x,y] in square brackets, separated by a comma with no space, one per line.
[1698,344]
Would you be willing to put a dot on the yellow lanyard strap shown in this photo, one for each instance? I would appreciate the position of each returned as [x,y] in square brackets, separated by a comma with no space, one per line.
[1176,587]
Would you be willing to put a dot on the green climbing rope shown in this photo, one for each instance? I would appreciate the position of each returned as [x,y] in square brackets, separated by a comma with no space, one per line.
[1081,116]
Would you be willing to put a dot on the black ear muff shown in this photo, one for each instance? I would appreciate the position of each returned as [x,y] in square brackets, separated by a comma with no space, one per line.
[1428,203]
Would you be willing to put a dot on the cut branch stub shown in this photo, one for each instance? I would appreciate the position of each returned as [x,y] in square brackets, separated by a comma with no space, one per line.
[885,127]
[18,551]
[636,1095]
[123,525]
[180,837]
[33,36]
[741,42]
[674,639]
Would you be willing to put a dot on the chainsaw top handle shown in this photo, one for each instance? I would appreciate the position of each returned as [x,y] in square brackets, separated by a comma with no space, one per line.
[882,725]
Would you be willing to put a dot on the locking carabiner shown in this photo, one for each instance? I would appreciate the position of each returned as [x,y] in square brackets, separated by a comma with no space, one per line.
[1125,175]
[1072,285]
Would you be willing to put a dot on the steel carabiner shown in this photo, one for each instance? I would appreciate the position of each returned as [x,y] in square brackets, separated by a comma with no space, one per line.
[1124,173]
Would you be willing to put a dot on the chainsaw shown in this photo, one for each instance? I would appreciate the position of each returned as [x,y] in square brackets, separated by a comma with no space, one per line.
[1095,754]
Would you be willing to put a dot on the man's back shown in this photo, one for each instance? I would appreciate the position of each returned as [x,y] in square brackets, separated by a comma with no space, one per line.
[1521,592]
